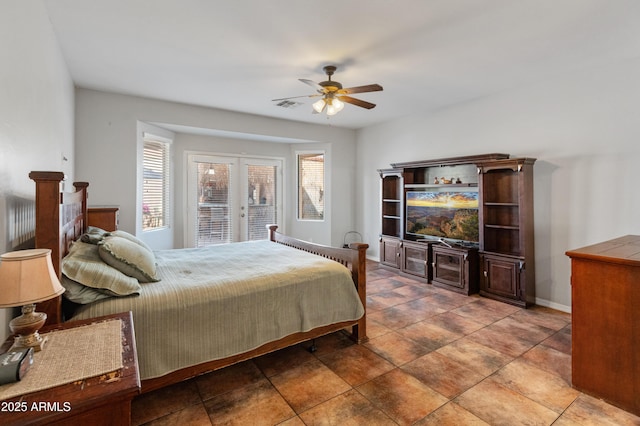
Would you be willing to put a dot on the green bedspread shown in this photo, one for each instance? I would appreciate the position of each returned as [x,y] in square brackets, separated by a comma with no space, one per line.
[223,300]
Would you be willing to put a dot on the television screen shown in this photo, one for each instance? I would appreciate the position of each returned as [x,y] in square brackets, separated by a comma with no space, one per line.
[445,214]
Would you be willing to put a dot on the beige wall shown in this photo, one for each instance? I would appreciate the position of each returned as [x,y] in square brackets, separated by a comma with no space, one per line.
[106,126]
[583,129]
[36,117]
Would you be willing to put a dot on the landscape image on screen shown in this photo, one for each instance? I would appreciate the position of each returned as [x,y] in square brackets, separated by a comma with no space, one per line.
[451,215]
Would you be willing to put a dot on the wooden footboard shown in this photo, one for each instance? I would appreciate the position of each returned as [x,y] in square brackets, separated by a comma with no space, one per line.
[61,219]
[354,258]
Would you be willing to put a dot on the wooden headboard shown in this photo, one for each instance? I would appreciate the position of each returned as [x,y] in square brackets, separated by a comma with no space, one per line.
[60,220]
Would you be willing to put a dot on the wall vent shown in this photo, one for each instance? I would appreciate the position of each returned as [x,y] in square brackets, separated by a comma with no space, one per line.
[288,104]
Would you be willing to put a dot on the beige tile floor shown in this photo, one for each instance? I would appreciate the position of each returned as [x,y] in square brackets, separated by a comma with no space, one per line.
[434,357]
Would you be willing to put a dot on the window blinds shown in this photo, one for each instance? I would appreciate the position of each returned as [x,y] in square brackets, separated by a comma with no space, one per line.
[155,191]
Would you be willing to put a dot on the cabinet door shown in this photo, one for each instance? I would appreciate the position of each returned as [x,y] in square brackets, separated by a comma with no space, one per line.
[390,252]
[448,268]
[415,259]
[501,277]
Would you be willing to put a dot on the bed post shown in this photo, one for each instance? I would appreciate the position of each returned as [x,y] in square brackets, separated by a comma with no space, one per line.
[48,231]
[359,273]
[272,232]
[81,187]
[60,220]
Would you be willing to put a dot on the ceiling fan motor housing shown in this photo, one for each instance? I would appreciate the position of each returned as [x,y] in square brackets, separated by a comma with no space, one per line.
[331,86]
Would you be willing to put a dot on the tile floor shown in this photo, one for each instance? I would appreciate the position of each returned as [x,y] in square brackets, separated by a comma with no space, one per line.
[434,357]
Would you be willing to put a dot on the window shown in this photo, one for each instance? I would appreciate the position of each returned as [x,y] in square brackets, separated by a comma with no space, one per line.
[155,189]
[311,186]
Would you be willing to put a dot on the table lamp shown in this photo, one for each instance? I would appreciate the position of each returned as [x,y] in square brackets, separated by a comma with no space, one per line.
[26,278]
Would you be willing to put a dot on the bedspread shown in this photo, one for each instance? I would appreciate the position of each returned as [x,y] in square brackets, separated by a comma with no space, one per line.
[219,301]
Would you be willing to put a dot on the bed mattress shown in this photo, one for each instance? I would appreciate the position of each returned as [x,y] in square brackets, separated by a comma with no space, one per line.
[215,302]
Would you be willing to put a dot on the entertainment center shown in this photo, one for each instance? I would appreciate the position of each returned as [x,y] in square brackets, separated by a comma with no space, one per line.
[462,223]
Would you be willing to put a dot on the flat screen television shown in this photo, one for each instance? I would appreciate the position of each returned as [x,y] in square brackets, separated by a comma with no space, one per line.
[446,214]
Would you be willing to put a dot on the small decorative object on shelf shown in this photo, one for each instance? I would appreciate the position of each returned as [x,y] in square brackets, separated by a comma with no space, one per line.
[443,180]
[436,181]
[458,180]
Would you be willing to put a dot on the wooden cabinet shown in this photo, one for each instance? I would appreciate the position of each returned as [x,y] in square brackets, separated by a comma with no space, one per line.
[392,210]
[605,321]
[455,268]
[481,202]
[415,259]
[392,214]
[390,249]
[103,217]
[506,230]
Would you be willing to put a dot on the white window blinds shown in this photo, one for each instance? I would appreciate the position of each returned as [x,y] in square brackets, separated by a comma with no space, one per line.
[215,198]
[156,179]
[311,186]
[263,203]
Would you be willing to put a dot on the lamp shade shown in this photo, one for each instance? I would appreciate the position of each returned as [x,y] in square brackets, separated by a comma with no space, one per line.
[27,276]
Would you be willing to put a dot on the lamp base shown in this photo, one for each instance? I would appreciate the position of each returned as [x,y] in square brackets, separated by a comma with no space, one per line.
[26,327]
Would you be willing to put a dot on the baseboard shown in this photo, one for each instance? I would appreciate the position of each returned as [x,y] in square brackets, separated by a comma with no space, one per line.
[553,305]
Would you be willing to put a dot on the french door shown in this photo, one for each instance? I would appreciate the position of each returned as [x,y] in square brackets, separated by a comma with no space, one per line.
[231,198]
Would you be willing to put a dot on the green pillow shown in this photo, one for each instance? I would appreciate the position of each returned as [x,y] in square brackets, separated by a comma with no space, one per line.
[84,265]
[79,293]
[128,257]
[130,237]
[93,235]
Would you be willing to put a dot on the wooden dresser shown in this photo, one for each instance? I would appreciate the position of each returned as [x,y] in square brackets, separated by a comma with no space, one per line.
[605,298]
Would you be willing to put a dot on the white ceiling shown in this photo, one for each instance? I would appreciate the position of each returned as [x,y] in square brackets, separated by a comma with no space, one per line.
[427,54]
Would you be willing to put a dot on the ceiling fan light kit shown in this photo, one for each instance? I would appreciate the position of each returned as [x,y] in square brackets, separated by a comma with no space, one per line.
[332,105]
[333,96]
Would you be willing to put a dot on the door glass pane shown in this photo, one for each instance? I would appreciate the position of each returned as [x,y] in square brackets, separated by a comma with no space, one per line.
[262,205]
[213,223]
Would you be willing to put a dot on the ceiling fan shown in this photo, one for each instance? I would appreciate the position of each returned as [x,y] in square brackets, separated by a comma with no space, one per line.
[333,96]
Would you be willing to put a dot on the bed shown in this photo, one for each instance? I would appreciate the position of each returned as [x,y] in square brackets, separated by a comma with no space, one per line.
[217,306]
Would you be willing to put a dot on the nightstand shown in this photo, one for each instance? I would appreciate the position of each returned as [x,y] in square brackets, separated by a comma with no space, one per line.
[101,400]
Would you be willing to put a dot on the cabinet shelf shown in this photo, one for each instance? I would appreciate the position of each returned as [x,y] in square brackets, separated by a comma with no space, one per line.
[497,204]
[509,227]
[449,267]
[440,185]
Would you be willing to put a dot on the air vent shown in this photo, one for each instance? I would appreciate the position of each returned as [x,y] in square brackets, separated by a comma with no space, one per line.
[288,104]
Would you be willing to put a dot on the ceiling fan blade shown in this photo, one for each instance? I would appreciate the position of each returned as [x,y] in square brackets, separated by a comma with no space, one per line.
[360,89]
[315,95]
[313,84]
[356,102]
